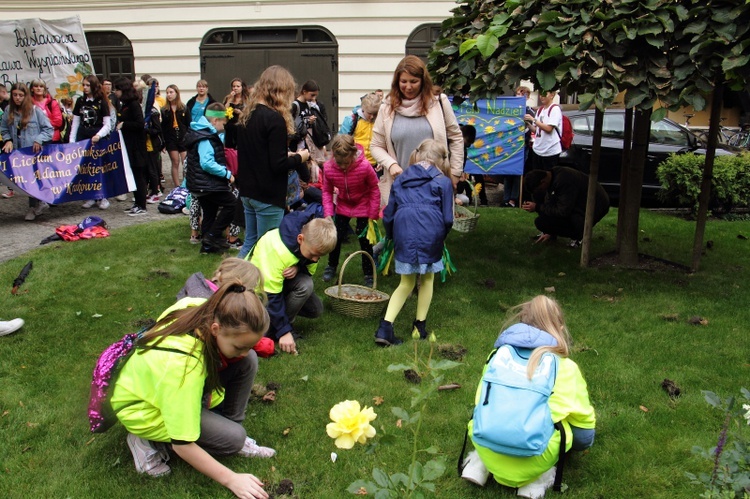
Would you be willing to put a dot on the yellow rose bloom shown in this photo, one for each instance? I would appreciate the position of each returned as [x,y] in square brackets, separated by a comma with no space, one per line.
[350,424]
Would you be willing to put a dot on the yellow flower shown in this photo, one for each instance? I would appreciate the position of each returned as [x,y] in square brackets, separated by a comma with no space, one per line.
[477,189]
[230,113]
[350,424]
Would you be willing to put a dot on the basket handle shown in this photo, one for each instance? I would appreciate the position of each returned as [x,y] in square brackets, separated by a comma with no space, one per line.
[474,196]
[374,269]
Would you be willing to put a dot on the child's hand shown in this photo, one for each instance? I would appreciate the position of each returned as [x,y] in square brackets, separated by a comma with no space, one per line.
[287,344]
[290,272]
[247,486]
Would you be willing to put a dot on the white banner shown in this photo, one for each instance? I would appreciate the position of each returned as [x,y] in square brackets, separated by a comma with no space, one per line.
[54,51]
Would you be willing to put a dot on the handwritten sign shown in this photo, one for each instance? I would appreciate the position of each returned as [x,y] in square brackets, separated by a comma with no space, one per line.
[498,149]
[70,172]
[53,51]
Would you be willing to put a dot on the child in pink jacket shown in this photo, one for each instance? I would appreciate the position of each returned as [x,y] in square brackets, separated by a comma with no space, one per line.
[358,197]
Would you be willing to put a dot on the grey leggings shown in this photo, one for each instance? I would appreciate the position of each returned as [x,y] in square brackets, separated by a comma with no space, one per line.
[222,433]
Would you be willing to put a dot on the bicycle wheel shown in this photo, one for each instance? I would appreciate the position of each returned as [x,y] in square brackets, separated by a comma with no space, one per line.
[739,139]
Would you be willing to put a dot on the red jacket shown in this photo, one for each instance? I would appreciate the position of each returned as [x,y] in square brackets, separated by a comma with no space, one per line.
[52,110]
[358,193]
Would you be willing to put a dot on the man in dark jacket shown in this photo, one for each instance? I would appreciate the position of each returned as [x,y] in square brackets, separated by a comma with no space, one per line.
[208,178]
[559,196]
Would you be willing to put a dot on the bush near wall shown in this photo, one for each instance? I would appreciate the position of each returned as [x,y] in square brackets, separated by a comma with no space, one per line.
[680,178]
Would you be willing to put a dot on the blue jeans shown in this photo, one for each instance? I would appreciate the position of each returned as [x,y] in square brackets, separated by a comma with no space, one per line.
[259,219]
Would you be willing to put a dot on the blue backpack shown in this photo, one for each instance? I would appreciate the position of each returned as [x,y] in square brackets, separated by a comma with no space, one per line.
[513,416]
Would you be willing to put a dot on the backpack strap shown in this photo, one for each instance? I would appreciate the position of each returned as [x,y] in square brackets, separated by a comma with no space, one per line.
[460,464]
[557,486]
[548,111]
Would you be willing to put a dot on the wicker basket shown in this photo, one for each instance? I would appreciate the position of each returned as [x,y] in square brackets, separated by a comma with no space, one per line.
[468,220]
[369,303]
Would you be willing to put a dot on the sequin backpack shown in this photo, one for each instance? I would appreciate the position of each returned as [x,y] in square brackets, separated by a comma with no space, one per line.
[108,367]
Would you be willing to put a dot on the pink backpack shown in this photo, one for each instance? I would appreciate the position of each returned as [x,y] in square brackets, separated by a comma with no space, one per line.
[101,415]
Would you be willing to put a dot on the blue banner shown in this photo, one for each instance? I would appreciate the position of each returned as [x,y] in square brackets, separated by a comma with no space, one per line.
[61,173]
[498,149]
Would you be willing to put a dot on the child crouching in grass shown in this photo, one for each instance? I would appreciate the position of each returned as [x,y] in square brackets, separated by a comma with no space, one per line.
[159,394]
[288,257]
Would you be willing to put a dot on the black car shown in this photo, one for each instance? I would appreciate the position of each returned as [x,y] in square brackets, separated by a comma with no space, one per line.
[667,137]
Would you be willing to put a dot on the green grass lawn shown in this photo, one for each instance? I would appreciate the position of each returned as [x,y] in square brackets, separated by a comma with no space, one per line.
[630,329]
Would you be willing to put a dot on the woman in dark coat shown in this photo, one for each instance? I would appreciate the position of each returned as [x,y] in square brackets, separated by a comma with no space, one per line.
[130,123]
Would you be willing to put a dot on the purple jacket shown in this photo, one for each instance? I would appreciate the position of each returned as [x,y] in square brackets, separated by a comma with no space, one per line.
[359,196]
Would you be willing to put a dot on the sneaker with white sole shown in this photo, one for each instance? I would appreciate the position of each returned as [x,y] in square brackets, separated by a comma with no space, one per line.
[41,208]
[147,459]
[88,204]
[251,449]
[122,197]
[9,194]
[7,327]
[30,215]
[474,469]
[103,204]
[155,199]
[537,488]
[136,211]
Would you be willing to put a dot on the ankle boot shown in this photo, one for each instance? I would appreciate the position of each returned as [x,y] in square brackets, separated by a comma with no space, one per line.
[421,326]
[385,336]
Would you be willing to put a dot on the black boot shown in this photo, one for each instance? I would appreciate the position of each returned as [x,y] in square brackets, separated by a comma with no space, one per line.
[385,336]
[422,328]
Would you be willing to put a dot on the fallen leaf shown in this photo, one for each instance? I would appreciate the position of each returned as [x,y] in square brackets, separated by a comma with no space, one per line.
[286,431]
[449,386]
[130,309]
[561,274]
[31,425]
[398,424]
[269,397]
[334,456]
[273,469]
[550,289]
[78,313]
[90,441]
[158,295]
[305,377]
[644,408]
[5,413]
[377,400]
[26,449]
[696,320]
[23,367]
[21,404]
[106,268]
[96,316]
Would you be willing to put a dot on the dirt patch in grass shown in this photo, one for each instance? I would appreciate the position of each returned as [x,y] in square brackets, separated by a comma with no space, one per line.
[646,263]
[452,352]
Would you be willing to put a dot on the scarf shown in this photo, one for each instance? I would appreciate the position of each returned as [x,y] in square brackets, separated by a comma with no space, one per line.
[410,107]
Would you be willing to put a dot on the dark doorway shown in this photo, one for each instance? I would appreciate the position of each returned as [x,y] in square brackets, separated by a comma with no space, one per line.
[309,52]
[111,54]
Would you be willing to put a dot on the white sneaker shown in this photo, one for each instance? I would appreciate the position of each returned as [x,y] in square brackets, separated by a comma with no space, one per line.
[41,208]
[7,327]
[122,197]
[103,204]
[88,204]
[155,199]
[147,459]
[30,215]
[474,469]
[537,488]
[251,449]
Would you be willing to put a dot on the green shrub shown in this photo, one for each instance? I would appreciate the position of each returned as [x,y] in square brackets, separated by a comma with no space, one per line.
[680,178]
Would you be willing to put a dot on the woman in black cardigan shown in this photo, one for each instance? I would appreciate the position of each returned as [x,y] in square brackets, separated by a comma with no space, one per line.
[263,155]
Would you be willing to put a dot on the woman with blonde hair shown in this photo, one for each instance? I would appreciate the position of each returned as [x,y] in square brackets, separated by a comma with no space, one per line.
[49,106]
[264,162]
[410,114]
[538,328]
